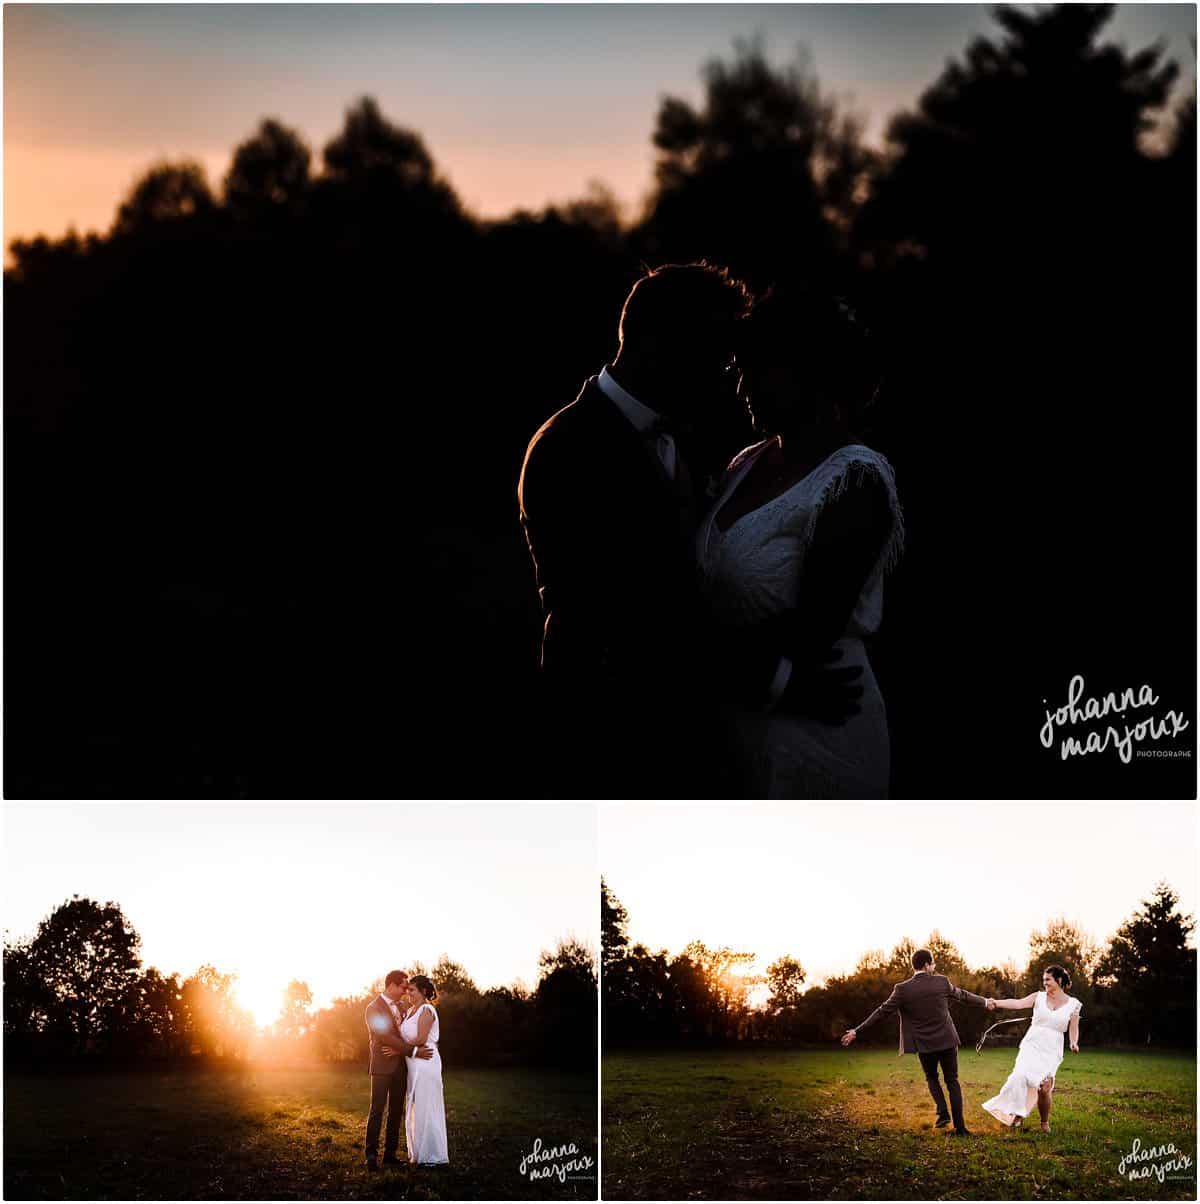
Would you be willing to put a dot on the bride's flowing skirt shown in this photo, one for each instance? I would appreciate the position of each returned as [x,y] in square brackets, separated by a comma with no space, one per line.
[1038,1059]
[1012,1101]
[425,1112]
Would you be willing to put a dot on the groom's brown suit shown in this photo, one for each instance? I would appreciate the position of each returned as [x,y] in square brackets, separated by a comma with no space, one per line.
[923,1003]
[389,1078]
[926,1029]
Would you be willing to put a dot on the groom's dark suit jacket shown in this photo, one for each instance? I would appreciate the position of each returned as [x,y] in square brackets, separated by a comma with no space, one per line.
[635,663]
[923,1003]
[611,545]
[612,539]
[382,1027]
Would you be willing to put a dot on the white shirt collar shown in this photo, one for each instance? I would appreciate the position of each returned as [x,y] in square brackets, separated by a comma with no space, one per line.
[638,413]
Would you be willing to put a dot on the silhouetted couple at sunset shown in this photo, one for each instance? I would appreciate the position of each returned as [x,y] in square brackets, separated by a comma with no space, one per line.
[705,611]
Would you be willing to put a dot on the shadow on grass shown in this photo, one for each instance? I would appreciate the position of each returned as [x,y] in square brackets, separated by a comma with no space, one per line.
[278,1134]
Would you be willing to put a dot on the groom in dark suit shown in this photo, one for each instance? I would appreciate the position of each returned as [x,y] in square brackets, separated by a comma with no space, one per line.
[923,1004]
[389,1074]
[610,495]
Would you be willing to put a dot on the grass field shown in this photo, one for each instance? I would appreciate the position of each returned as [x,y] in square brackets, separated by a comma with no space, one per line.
[859,1124]
[280,1134]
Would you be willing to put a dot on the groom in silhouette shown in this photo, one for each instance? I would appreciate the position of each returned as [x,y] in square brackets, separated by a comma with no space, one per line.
[389,1074]
[923,1004]
[611,492]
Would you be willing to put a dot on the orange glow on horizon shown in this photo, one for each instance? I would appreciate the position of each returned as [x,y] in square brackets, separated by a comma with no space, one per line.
[49,191]
[261,996]
[519,108]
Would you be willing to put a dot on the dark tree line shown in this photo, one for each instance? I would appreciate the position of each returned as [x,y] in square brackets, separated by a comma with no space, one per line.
[77,992]
[262,440]
[1138,990]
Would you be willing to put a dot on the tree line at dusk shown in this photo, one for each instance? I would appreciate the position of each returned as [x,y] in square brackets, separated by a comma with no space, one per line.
[263,434]
[77,991]
[1137,989]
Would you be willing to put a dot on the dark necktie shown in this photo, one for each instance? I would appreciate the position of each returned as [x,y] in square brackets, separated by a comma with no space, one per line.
[681,483]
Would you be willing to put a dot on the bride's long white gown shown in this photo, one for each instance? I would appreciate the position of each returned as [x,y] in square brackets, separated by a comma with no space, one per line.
[755,570]
[1039,1056]
[424,1107]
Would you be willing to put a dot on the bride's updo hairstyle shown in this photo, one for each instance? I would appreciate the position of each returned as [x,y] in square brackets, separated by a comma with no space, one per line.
[425,986]
[1060,976]
[801,349]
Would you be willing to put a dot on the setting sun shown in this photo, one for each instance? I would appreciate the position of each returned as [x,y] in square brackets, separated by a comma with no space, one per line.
[247,973]
[474,888]
[261,996]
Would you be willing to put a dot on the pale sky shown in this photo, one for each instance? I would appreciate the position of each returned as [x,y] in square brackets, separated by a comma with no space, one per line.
[519,105]
[335,894]
[828,882]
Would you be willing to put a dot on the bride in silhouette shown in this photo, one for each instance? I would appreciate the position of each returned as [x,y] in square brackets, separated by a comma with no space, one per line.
[804,527]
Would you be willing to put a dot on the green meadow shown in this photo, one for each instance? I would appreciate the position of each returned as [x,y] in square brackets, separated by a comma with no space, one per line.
[279,1134]
[836,1124]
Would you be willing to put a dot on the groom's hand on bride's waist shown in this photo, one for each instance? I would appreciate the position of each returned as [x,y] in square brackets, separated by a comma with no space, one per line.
[423,1052]
[819,689]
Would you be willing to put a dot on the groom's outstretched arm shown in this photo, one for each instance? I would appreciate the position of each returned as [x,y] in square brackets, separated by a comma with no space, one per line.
[966,996]
[888,1007]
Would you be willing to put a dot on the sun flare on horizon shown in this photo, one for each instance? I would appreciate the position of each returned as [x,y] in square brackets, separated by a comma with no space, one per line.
[261,996]
[269,895]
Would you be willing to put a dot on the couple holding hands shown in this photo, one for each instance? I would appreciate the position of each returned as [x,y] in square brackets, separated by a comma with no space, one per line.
[926,1029]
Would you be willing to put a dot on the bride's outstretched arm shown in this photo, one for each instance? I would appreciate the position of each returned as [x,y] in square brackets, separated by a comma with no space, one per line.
[1016,1005]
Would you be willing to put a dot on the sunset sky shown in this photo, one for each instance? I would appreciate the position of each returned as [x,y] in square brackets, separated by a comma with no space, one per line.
[519,105]
[335,894]
[828,882]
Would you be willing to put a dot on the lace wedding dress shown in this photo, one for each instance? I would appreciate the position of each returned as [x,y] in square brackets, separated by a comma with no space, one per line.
[755,570]
[1039,1056]
[424,1108]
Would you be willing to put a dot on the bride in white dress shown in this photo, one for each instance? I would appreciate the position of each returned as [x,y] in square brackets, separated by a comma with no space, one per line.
[424,1110]
[1041,1050]
[803,529]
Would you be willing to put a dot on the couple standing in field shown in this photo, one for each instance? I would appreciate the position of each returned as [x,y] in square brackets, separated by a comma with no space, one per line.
[926,1029]
[706,617]
[406,1073]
